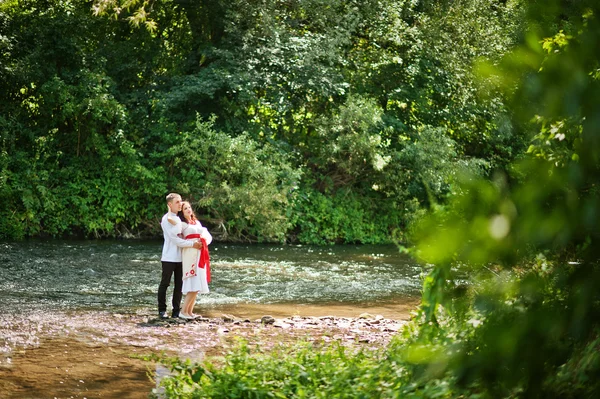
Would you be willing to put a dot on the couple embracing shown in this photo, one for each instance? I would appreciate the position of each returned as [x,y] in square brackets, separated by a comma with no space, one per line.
[185,255]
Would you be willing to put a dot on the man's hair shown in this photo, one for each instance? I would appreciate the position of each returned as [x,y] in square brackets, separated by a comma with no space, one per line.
[172,196]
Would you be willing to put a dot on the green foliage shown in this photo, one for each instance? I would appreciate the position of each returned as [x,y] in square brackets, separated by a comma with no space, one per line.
[71,165]
[576,378]
[538,328]
[511,300]
[353,146]
[424,66]
[93,202]
[303,371]
[344,217]
[235,180]
[368,107]
[559,135]
[427,167]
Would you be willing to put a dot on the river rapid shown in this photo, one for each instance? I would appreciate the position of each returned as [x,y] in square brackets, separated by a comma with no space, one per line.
[57,275]
[96,297]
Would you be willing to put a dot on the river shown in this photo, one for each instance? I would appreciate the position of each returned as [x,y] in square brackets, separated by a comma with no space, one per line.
[95,296]
[124,275]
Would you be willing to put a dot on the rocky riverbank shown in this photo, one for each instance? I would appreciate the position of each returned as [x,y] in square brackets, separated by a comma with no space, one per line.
[98,354]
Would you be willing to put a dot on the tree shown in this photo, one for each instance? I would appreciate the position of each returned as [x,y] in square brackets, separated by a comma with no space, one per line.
[535,320]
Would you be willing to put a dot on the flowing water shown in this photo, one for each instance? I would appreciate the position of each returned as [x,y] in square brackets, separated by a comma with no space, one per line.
[75,311]
[59,275]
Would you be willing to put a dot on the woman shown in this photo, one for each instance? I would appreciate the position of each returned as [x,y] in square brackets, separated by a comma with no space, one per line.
[196,263]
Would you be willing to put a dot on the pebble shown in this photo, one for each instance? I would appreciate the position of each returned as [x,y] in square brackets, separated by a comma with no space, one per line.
[364,329]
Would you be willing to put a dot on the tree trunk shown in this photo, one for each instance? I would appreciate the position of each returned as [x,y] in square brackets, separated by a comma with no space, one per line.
[206,25]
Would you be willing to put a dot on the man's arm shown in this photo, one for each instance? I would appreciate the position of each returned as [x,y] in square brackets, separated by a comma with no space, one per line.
[171,232]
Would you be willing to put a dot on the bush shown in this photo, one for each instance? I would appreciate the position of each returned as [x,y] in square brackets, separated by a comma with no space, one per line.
[344,217]
[302,371]
[235,180]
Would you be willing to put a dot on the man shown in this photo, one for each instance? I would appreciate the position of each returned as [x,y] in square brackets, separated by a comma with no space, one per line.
[171,256]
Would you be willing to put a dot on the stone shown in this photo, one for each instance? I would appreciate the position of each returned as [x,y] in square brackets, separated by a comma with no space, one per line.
[267,320]
[392,328]
[227,318]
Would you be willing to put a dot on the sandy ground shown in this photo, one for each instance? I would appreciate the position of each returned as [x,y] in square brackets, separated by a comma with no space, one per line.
[98,354]
[66,368]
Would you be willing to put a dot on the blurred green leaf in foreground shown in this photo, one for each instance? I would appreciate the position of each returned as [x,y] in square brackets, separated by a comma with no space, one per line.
[527,242]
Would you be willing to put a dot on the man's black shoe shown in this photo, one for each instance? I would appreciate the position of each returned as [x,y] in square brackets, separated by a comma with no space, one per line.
[175,315]
[163,315]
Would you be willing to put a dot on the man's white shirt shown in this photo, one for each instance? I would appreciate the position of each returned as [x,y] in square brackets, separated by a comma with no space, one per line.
[172,247]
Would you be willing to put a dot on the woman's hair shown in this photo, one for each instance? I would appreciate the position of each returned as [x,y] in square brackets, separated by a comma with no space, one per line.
[180,213]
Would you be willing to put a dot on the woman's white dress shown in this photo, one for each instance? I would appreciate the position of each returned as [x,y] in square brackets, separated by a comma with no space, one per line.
[196,280]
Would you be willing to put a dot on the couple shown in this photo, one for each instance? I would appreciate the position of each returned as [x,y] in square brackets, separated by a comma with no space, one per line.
[185,254]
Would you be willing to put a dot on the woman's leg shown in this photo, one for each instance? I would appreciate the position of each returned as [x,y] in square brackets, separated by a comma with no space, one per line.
[192,301]
[185,306]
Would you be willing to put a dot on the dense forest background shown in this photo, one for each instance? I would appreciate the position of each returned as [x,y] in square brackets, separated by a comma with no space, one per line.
[469,128]
[311,121]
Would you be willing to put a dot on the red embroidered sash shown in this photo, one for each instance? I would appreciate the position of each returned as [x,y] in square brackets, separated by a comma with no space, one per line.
[204,256]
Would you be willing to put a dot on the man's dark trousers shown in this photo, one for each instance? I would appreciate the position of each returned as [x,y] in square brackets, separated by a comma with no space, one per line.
[168,269]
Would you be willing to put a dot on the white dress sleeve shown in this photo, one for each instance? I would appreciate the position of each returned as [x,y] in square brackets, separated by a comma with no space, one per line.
[204,233]
[184,227]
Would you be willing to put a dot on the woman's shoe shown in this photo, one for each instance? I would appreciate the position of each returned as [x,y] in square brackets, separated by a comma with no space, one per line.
[185,316]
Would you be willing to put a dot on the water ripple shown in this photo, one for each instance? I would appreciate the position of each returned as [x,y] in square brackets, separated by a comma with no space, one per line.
[60,275]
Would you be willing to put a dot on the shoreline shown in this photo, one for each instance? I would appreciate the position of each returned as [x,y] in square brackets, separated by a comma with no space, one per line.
[389,310]
[98,354]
